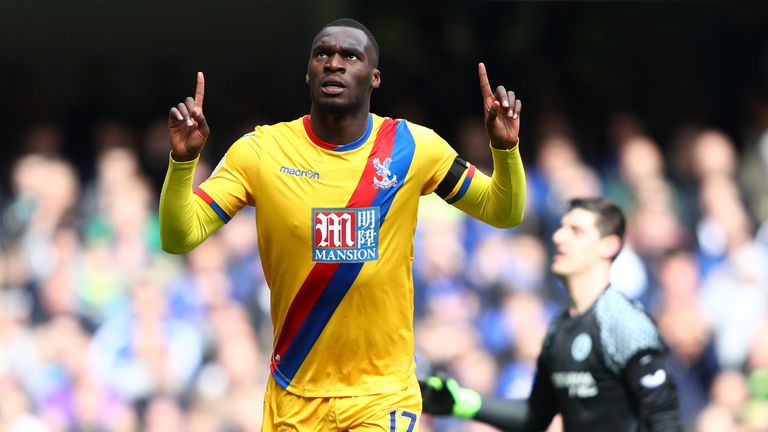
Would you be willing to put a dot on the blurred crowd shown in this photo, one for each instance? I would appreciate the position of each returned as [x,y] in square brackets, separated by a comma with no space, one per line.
[100,330]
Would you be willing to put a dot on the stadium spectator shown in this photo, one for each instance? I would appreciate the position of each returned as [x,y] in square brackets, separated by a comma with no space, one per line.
[144,349]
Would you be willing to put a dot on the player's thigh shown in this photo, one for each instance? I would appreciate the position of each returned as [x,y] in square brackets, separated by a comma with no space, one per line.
[394,412]
[287,412]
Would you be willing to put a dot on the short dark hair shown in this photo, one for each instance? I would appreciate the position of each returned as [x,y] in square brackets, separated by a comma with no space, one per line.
[355,24]
[610,218]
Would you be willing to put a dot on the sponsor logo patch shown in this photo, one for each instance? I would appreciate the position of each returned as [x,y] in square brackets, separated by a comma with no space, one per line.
[579,384]
[345,235]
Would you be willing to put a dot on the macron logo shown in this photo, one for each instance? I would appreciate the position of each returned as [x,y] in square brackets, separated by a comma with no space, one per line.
[312,175]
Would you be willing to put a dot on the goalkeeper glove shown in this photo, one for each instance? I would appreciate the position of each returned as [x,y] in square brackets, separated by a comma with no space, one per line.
[444,396]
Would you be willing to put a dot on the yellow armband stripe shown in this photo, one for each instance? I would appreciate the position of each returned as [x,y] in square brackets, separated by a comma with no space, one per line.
[464,186]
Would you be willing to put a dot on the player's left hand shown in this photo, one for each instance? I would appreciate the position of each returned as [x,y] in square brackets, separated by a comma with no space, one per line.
[501,113]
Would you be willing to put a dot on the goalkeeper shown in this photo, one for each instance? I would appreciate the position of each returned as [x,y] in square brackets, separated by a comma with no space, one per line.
[602,365]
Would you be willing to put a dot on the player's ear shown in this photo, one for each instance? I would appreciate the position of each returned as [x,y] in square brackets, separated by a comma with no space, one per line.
[375,78]
[610,246]
[306,78]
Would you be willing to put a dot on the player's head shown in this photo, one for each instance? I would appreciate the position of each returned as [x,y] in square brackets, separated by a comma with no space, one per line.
[591,233]
[355,24]
[342,70]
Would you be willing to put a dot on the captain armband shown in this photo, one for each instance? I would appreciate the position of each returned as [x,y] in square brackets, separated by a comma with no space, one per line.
[452,178]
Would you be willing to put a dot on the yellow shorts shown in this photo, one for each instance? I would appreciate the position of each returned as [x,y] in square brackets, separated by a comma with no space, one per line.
[391,412]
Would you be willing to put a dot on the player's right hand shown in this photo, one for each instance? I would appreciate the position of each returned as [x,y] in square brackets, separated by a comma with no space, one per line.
[444,396]
[501,113]
[187,126]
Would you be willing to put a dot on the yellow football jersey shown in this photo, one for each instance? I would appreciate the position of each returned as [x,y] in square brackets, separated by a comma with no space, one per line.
[335,228]
[335,233]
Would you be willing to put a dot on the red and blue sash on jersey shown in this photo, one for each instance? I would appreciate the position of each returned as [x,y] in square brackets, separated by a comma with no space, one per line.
[327,283]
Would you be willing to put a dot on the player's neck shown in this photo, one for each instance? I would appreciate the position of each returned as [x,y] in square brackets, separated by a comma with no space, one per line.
[585,288]
[338,128]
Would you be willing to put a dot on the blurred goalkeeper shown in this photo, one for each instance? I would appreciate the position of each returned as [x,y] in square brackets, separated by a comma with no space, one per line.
[602,365]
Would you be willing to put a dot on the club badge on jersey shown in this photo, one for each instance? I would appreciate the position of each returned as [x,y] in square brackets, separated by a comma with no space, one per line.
[345,235]
[382,169]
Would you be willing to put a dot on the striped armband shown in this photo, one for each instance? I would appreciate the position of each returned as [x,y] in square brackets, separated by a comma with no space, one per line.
[453,177]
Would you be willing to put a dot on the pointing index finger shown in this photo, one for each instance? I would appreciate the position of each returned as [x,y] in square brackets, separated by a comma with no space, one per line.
[200,90]
[485,86]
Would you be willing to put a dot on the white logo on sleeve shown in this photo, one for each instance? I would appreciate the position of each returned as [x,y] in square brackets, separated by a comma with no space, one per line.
[654,380]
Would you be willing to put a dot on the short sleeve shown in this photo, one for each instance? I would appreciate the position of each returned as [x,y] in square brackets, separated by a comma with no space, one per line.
[625,330]
[231,184]
[433,157]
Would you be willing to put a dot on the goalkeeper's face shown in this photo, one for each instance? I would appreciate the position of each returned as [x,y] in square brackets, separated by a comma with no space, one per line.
[342,70]
[579,245]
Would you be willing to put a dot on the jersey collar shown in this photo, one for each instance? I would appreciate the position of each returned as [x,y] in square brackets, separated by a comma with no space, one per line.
[345,147]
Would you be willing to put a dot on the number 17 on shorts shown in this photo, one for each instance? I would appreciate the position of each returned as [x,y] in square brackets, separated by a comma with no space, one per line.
[402,420]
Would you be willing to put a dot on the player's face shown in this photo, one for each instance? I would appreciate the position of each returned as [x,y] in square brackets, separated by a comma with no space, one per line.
[342,71]
[578,243]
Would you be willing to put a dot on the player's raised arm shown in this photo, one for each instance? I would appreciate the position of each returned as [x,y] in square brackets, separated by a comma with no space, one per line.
[187,126]
[501,113]
[184,221]
[498,200]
